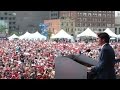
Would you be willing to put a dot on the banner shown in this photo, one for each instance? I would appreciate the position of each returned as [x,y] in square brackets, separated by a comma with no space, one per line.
[43,29]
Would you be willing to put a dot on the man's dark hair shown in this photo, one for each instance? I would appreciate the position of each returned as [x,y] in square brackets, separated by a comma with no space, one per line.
[104,36]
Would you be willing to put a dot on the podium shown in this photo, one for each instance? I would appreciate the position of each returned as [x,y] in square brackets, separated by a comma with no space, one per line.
[73,67]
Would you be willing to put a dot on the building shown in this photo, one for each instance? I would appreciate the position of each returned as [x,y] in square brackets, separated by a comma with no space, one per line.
[95,20]
[54,14]
[117,24]
[30,20]
[22,21]
[10,18]
[55,25]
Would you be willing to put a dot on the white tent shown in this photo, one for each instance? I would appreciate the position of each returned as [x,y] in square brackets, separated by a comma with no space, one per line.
[88,32]
[27,35]
[37,35]
[110,33]
[118,36]
[62,34]
[13,37]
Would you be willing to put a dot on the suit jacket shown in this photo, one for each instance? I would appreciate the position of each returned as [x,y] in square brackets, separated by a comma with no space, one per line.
[105,68]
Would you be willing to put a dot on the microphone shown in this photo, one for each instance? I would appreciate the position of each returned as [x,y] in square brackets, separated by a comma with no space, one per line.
[88,50]
[83,59]
[74,56]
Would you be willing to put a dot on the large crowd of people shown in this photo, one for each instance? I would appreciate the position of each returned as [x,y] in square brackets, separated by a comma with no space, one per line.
[28,59]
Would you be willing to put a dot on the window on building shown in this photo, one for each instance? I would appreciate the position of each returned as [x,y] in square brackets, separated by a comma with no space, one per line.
[14,22]
[103,20]
[104,15]
[13,27]
[13,18]
[95,14]
[9,22]
[83,24]
[80,14]
[62,24]
[67,24]
[68,29]
[71,23]
[115,30]
[1,18]
[10,18]
[100,30]
[10,27]
[108,25]
[89,14]
[98,24]
[99,14]
[5,13]
[72,30]
[84,14]
[88,24]
[5,18]
[103,24]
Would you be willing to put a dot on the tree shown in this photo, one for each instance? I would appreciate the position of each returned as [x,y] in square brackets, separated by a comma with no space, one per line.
[14,32]
[3,28]
[49,33]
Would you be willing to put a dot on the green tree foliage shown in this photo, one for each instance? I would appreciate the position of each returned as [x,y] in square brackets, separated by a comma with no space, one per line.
[49,34]
[14,32]
[2,28]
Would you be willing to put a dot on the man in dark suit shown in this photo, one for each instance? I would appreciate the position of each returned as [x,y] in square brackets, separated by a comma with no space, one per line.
[105,68]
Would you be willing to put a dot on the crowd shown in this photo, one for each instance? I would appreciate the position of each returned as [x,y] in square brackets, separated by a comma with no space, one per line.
[28,59]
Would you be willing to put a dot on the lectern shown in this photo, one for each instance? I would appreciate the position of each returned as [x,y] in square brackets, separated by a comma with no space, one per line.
[73,67]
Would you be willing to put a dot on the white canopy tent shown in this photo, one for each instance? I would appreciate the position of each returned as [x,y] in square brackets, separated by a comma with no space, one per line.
[118,36]
[87,33]
[27,35]
[110,33]
[37,35]
[62,34]
[13,37]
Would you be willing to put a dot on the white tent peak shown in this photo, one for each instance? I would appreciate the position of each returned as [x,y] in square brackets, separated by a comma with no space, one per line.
[62,34]
[13,37]
[110,33]
[25,36]
[27,32]
[87,32]
[37,33]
